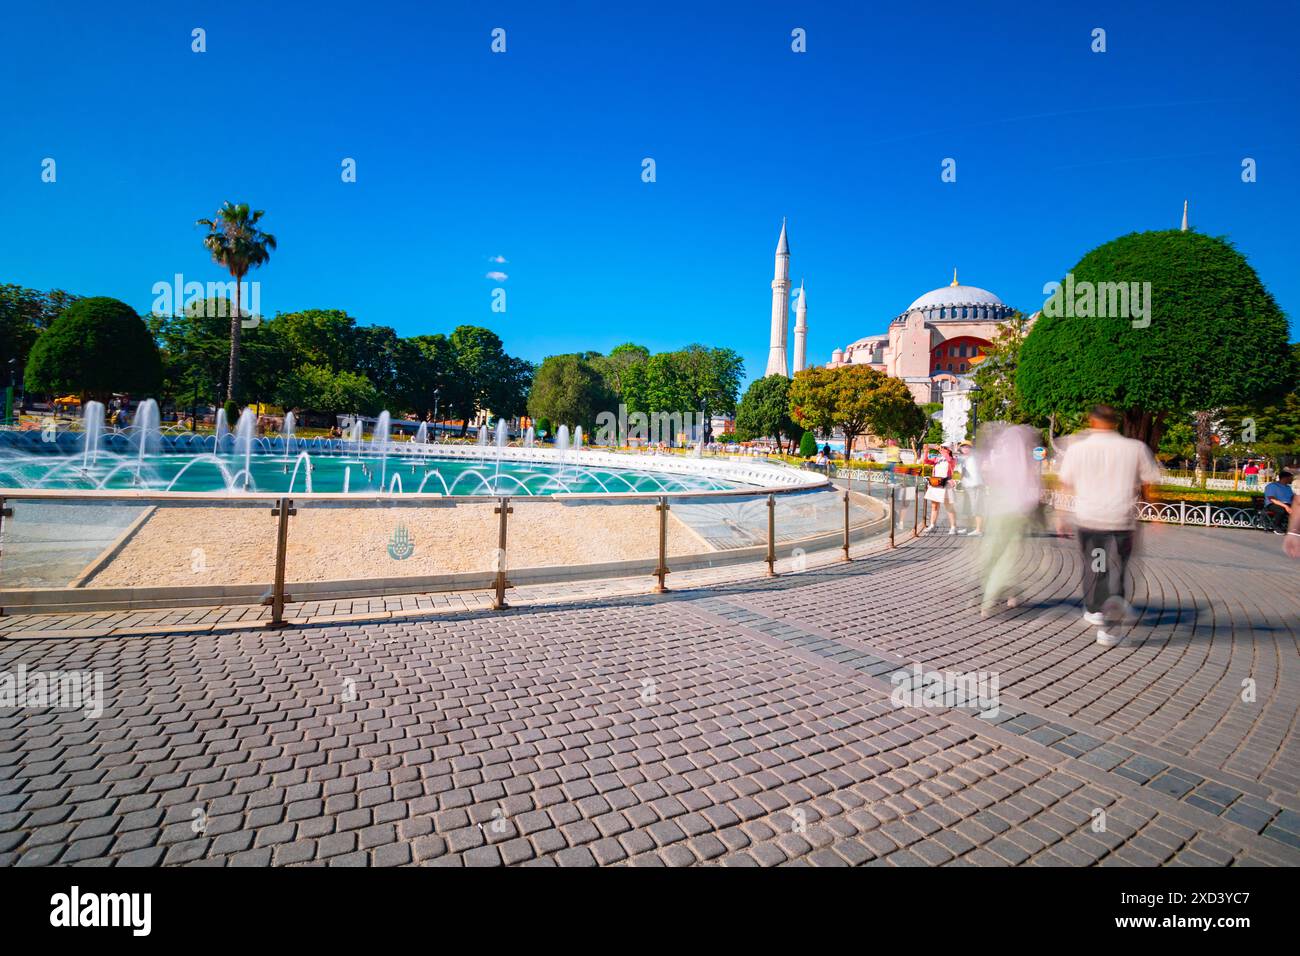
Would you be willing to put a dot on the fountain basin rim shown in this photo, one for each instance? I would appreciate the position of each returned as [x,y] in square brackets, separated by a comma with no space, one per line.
[96,494]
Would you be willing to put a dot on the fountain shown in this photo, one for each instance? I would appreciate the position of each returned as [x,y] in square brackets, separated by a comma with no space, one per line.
[422,434]
[143,455]
[148,433]
[92,420]
[379,443]
[223,429]
[245,429]
[289,423]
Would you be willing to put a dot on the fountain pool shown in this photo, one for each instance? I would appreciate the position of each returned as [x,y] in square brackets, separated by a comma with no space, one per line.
[325,467]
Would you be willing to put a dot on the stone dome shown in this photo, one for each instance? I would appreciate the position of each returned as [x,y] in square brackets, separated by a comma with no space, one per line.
[955,295]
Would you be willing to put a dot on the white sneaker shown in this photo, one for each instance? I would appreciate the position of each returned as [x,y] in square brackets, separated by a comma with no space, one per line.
[1106,639]
[974,534]
[952,530]
[1094,618]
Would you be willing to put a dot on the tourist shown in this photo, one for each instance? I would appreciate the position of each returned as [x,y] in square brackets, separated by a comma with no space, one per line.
[1106,472]
[1012,490]
[972,485]
[1279,497]
[1292,543]
[940,490]
[1251,473]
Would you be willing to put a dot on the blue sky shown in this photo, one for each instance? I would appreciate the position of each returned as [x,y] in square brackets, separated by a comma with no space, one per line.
[535,154]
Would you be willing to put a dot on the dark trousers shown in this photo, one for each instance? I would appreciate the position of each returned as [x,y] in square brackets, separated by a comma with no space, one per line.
[1105,557]
[1277,517]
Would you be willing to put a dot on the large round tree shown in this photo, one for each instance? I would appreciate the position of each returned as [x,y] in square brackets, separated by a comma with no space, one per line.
[95,347]
[1156,323]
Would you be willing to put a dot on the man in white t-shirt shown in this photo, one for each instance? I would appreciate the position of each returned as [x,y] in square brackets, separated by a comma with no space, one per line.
[1106,471]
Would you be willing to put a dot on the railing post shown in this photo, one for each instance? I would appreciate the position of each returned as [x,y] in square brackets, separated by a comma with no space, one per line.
[662,568]
[893,512]
[1207,514]
[5,512]
[504,510]
[771,535]
[916,496]
[846,525]
[1182,512]
[284,510]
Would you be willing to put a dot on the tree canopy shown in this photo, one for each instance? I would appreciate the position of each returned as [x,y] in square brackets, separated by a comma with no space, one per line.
[570,389]
[95,347]
[765,411]
[857,400]
[1212,336]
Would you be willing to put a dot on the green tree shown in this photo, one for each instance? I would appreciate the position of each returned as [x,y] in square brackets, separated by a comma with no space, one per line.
[430,379]
[998,397]
[237,244]
[614,368]
[570,389]
[808,445]
[492,380]
[765,411]
[1213,335]
[855,399]
[324,390]
[97,346]
[24,315]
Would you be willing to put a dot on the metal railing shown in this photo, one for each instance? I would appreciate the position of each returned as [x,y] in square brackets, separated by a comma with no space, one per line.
[857,524]
[1200,514]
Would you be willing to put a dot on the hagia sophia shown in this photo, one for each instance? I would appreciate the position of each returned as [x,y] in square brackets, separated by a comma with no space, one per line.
[932,345]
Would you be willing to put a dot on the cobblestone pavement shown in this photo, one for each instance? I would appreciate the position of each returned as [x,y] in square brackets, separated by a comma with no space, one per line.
[746,721]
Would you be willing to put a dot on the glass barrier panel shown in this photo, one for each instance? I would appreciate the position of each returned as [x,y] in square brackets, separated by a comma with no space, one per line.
[147,546]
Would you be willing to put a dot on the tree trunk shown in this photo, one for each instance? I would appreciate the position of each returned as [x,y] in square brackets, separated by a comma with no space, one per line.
[1144,426]
[1204,443]
[236,326]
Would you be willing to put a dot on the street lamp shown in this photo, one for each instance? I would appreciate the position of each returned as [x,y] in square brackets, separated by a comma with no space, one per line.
[974,392]
[436,393]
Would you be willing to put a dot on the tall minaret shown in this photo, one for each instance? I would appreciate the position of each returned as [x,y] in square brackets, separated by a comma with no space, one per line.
[800,332]
[776,363]
[1184,215]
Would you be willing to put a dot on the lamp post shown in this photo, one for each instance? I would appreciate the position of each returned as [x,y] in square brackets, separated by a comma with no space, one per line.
[974,392]
[436,393]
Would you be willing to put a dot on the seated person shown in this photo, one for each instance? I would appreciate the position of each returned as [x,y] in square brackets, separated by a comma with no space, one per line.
[1279,497]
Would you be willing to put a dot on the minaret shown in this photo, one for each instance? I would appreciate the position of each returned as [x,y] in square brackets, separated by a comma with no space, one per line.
[1184,215]
[800,332]
[776,363]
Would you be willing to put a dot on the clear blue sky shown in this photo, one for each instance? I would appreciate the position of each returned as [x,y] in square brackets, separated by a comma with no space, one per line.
[535,155]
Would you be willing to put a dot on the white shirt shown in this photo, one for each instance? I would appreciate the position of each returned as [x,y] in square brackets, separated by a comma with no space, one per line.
[1105,471]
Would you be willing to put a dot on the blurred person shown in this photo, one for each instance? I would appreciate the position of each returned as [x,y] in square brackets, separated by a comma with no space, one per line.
[972,484]
[1106,472]
[1279,502]
[940,490]
[1291,544]
[1012,491]
[1250,473]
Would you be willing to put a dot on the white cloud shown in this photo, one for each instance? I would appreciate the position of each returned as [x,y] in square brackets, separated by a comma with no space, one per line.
[499,260]
[497,276]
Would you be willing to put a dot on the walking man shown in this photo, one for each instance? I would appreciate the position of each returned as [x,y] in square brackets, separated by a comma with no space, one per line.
[1106,472]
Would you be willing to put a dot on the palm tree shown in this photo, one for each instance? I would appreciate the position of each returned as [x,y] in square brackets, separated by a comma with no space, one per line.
[238,245]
